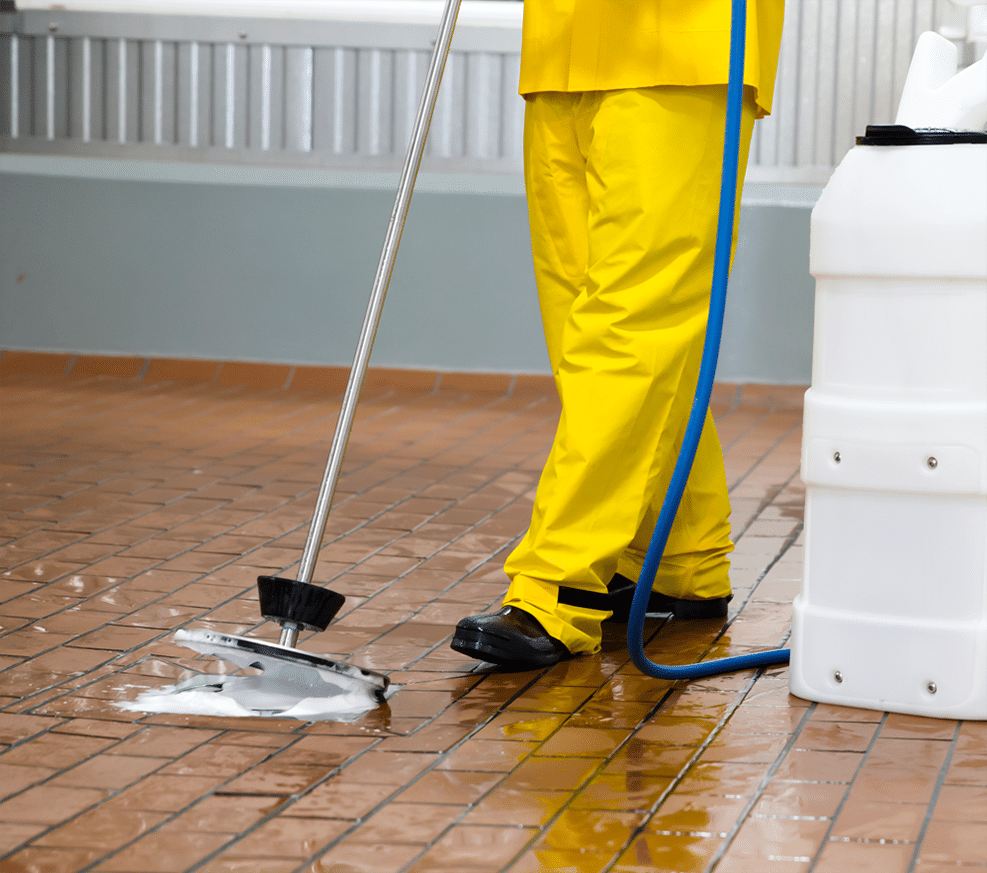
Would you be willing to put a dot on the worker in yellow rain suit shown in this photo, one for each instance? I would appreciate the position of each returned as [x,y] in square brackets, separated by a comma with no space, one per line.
[623,145]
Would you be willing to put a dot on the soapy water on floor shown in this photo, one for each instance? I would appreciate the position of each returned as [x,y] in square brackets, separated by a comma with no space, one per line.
[291,684]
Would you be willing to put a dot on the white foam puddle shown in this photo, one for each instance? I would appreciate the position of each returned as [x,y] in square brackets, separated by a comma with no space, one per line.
[253,697]
[292,684]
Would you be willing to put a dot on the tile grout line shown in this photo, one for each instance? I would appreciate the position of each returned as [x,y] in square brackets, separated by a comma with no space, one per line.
[440,757]
[157,507]
[116,792]
[542,829]
[454,502]
[676,780]
[759,791]
[753,427]
[268,404]
[693,760]
[772,408]
[934,799]
[257,466]
[814,861]
[790,541]
[476,729]
[466,466]
[269,400]
[235,597]
[774,446]
[465,439]
[233,837]
[457,500]
[146,362]
[148,393]
[167,631]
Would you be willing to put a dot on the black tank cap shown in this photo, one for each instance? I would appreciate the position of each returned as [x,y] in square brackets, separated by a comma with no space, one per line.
[899,135]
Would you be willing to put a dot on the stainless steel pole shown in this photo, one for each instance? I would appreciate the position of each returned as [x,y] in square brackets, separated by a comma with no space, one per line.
[392,238]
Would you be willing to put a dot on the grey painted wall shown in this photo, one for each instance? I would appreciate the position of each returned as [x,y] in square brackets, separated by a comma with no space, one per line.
[265,264]
[767,330]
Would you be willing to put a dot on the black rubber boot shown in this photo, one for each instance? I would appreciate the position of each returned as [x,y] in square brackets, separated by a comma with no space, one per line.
[621,592]
[509,638]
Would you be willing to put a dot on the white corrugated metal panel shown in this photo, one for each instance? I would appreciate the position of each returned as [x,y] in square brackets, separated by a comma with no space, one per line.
[327,92]
[336,83]
[843,65]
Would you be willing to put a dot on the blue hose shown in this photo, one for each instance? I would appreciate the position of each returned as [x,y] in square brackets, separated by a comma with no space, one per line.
[707,369]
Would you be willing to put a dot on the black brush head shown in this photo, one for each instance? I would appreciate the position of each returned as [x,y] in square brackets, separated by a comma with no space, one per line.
[286,600]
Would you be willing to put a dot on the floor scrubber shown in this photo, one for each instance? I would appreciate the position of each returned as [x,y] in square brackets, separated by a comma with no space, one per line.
[297,604]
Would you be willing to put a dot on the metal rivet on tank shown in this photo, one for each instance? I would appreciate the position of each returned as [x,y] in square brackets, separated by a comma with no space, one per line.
[932,688]
[53,28]
[932,462]
[838,676]
[837,457]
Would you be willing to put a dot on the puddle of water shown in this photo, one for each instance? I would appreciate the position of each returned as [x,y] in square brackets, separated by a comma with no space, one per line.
[291,684]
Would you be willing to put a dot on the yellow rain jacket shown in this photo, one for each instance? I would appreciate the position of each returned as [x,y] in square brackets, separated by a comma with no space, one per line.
[605,45]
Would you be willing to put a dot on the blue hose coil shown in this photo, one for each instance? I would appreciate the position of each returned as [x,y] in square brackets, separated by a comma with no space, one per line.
[704,388]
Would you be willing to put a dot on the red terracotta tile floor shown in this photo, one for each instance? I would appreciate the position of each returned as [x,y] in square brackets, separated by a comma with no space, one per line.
[144,496]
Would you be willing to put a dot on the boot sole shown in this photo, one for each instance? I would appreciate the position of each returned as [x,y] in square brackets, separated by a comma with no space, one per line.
[495,650]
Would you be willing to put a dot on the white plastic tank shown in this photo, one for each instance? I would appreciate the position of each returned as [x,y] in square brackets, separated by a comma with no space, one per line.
[893,609]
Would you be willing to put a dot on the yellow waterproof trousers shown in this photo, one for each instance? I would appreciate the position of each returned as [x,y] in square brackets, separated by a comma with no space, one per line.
[623,196]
